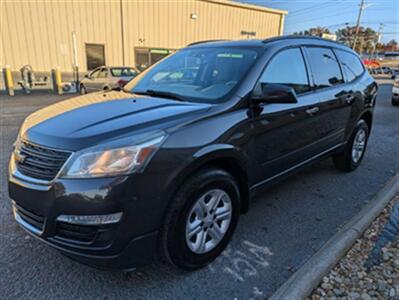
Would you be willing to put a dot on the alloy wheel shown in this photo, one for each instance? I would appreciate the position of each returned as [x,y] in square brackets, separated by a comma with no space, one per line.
[359,144]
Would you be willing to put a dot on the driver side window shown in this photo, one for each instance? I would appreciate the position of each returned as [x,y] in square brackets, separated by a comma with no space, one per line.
[287,68]
[94,74]
[103,73]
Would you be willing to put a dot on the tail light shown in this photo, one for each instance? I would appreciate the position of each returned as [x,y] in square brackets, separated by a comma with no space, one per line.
[122,82]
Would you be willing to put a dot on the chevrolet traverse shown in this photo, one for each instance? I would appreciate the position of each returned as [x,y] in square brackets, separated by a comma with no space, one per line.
[165,166]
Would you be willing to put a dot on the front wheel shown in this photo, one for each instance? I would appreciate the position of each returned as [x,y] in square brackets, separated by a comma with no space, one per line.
[201,219]
[350,158]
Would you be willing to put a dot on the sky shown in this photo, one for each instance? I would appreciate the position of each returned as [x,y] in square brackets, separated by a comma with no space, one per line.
[333,14]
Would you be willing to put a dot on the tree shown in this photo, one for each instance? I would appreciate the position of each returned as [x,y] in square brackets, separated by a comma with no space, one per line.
[367,38]
[316,31]
[392,45]
[379,46]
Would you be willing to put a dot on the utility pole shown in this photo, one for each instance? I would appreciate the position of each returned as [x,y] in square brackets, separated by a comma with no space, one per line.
[75,63]
[379,35]
[361,8]
[122,31]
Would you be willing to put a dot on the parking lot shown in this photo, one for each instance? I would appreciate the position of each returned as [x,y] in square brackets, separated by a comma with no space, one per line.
[284,227]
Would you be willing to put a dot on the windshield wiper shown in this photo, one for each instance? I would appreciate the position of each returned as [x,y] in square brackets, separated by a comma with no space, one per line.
[162,94]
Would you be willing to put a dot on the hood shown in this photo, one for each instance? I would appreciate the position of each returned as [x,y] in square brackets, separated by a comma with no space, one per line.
[92,119]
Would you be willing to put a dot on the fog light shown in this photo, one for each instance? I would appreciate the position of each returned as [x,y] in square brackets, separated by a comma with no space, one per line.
[91,220]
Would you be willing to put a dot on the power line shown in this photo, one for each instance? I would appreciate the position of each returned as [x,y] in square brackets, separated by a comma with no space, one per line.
[326,26]
[352,24]
[390,26]
[333,15]
[310,7]
[378,22]
[307,9]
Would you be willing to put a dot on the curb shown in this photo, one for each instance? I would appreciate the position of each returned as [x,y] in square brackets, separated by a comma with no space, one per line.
[306,279]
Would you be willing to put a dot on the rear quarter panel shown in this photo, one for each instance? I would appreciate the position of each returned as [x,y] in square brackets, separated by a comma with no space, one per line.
[365,88]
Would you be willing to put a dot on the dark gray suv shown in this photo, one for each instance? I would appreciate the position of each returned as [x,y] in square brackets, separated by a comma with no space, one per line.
[165,167]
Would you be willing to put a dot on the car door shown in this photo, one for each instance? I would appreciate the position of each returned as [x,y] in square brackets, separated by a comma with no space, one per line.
[334,95]
[285,134]
[357,85]
[91,82]
[102,80]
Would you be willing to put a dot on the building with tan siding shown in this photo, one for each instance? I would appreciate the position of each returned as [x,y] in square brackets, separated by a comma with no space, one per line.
[46,34]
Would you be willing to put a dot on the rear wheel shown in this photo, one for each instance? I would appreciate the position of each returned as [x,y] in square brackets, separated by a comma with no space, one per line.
[350,158]
[82,89]
[201,219]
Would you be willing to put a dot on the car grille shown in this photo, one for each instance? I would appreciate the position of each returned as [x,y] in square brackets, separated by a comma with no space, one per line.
[30,217]
[38,161]
[78,233]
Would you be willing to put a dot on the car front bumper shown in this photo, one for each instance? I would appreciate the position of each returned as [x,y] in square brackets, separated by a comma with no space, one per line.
[395,94]
[123,245]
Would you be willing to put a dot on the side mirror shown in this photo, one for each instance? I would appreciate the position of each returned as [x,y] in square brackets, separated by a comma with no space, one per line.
[274,93]
[87,76]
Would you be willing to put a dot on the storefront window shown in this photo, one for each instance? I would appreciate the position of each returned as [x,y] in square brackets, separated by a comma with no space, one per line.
[146,57]
[95,56]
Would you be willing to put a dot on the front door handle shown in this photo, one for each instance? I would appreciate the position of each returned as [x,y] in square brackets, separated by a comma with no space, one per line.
[313,110]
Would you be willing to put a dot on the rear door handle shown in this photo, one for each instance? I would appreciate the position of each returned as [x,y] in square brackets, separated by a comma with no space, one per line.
[313,110]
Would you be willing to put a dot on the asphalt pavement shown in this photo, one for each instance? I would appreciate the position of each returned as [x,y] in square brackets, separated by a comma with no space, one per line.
[283,229]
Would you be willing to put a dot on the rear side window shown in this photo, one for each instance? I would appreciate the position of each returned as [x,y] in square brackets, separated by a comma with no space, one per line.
[287,68]
[324,66]
[351,64]
[123,72]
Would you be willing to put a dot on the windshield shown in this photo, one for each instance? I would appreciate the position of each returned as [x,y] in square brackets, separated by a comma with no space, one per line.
[199,75]
[123,72]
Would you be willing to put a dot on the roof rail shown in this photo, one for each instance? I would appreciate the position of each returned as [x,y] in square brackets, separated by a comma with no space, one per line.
[206,41]
[297,36]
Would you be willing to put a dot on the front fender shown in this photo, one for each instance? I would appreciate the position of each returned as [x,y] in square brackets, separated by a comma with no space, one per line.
[211,154]
[215,155]
[220,150]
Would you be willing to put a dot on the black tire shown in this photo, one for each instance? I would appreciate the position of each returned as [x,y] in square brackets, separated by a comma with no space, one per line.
[395,102]
[174,247]
[82,90]
[344,160]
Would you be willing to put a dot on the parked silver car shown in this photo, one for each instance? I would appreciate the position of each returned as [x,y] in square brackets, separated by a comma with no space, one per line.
[106,78]
[395,74]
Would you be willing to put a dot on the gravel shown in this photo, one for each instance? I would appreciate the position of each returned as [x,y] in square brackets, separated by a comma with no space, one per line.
[370,269]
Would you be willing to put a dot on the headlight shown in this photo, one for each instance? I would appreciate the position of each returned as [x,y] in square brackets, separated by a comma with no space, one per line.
[112,160]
